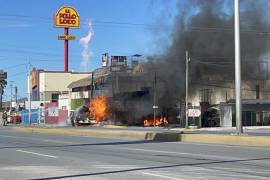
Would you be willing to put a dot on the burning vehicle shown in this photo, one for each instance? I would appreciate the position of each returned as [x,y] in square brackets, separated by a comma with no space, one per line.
[94,113]
[81,116]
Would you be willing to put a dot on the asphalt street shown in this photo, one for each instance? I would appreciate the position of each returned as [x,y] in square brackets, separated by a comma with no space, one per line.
[40,156]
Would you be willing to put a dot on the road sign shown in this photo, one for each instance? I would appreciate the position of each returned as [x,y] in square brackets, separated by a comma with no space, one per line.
[3,75]
[65,37]
[67,17]
[155,107]
[194,113]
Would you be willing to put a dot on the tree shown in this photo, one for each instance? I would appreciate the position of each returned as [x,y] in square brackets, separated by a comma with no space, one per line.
[3,84]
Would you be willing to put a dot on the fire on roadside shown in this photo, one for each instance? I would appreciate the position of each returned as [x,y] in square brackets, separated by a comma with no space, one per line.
[161,121]
[99,108]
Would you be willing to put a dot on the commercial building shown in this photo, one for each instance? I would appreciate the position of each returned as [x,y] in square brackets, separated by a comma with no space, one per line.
[49,91]
[216,97]
[48,85]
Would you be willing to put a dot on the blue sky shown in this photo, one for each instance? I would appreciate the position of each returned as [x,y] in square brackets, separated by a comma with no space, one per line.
[27,33]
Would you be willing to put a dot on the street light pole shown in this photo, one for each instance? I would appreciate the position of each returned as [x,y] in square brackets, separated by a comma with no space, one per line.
[187,60]
[238,102]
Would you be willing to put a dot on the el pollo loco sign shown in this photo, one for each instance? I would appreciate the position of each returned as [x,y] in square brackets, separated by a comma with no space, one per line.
[67,17]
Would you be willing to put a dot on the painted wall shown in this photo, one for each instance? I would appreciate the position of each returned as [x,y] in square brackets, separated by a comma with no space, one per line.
[53,82]
[58,81]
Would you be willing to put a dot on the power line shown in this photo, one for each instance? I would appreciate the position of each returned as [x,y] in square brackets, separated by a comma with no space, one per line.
[40,53]
[228,87]
[95,22]
[19,73]
[27,51]
[214,64]
[14,66]
[99,23]
[231,30]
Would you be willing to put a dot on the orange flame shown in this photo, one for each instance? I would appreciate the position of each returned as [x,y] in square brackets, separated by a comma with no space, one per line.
[158,122]
[99,108]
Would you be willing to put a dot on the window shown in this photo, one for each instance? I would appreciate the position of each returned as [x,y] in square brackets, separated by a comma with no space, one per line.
[55,97]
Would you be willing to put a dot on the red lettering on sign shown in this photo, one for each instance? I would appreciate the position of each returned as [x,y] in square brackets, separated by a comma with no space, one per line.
[73,16]
[67,16]
[67,21]
[61,15]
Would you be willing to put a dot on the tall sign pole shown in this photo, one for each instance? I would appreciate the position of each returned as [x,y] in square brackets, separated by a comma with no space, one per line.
[66,17]
[66,50]
[238,101]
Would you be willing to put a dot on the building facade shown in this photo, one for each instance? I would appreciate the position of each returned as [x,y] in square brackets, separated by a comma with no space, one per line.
[52,86]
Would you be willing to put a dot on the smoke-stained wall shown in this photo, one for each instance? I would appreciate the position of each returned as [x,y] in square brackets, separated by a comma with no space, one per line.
[226,91]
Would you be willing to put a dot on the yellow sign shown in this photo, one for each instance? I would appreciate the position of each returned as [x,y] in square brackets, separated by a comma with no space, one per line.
[67,16]
[64,37]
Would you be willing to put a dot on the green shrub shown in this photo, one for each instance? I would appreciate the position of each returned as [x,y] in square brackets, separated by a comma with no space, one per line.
[75,103]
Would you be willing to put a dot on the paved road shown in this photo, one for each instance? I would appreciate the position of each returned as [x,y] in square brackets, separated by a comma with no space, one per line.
[39,156]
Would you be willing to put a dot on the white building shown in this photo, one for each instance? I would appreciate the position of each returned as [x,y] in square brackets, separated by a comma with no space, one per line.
[52,86]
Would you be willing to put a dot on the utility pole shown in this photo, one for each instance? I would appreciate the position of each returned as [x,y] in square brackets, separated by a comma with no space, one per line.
[155,94]
[29,89]
[238,101]
[16,94]
[1,98]
[11,94]
[187,60]
[3,82]
[92,85]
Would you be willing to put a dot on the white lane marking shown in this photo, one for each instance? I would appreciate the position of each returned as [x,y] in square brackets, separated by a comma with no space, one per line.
[241,169]
[38,154]
[37,139]
[65,142]
[179,153]
[218,145]
[161,176]
[56,141]
[8,136]
[117,166]
[214,174]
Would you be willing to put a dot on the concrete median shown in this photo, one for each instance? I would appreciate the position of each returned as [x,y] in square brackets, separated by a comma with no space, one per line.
[107,133]
[245,140]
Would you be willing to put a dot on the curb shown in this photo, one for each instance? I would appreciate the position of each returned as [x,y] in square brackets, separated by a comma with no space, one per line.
[257,141]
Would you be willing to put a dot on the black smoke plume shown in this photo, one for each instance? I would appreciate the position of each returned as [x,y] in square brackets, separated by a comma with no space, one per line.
[206,29]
